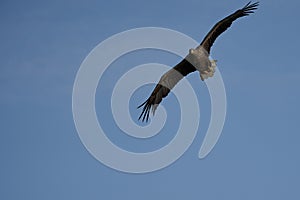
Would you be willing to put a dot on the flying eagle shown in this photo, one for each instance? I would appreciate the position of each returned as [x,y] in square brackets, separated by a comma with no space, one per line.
[197,59]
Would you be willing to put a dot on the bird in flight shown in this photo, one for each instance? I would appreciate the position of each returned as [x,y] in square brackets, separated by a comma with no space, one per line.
[197,59]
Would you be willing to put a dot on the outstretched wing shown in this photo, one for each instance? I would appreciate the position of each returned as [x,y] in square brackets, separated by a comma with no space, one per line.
[224,24]
[165,84]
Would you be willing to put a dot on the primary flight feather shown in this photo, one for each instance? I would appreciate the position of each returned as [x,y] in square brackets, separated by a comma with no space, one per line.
[197,59]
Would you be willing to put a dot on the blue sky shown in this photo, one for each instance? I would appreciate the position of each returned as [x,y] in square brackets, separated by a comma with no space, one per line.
[42,46]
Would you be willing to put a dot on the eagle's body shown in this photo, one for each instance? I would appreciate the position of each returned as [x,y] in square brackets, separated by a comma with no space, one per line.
[197,59]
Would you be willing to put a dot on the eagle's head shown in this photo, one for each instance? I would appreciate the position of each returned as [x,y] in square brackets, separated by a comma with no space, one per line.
[209,71]
[199,58]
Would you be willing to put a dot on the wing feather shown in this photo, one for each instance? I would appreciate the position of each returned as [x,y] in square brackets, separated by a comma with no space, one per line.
[225,23]
[164,86]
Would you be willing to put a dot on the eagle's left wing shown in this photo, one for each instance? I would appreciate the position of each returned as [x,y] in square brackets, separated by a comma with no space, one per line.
[225,23]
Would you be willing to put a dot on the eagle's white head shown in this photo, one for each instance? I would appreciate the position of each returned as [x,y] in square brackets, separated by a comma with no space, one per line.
[199,58]
[209,72]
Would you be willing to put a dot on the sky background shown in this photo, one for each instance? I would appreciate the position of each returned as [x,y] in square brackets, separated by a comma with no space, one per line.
[43,43]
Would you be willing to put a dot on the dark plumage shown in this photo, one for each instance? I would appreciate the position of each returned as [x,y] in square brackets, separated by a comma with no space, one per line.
[174,75]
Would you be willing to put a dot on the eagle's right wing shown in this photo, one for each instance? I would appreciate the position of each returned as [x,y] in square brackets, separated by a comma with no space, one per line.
[165,84]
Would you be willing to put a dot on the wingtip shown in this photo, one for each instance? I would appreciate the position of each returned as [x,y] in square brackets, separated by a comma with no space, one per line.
[249,8]
[144,116]
[251,5]
[142,104]
[247,4]
[148,107]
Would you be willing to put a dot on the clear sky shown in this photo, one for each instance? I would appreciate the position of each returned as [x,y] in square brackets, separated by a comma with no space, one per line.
[42,46]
